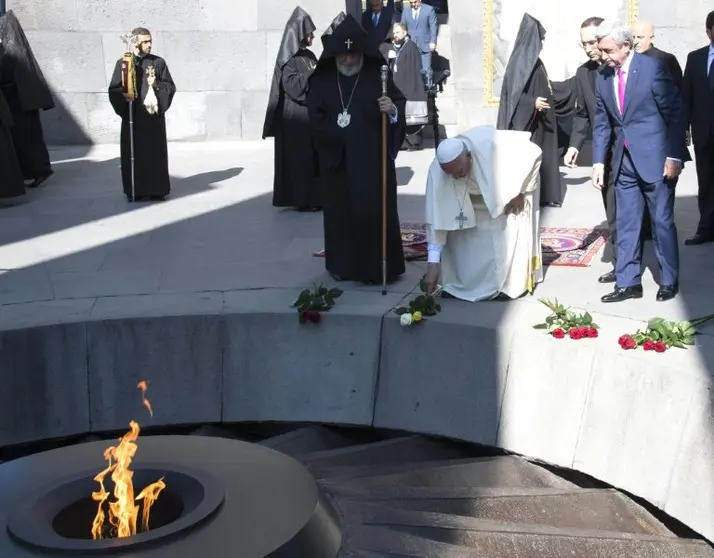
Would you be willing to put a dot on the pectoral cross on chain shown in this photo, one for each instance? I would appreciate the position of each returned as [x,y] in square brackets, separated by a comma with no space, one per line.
[348,43]
[461,218]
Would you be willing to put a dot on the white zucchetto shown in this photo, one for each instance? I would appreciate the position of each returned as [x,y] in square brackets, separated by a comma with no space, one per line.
[449,150]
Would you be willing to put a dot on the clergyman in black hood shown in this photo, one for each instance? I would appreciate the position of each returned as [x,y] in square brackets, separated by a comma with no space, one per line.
[11,180]
[286,120]
[527,105]
[27,93]
[345,104]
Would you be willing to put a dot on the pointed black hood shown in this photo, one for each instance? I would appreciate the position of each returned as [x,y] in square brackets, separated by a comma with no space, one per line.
[20,66]
[349,37]
[331,29]
[298,27]
[526,51]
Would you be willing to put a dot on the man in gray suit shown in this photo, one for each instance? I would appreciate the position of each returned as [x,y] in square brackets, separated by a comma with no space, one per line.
[422,26]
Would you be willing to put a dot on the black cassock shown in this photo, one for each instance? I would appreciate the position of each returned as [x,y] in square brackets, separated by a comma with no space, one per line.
[151,158]
[405,64]
[286,119]
[27,93]
[524,81]
[11,179]
[350,161]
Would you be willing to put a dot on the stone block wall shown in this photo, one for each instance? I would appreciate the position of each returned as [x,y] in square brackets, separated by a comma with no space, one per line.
[221,54]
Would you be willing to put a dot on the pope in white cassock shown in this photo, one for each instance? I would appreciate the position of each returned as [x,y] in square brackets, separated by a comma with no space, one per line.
[482,215]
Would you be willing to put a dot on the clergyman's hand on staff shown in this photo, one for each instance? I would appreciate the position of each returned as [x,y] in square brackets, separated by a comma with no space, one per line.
[541,104]
[386,106]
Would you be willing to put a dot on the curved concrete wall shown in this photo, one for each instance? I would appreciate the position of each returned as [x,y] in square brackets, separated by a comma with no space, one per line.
[642,422]
[221,54]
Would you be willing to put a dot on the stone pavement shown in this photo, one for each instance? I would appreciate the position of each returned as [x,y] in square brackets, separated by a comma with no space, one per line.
[194,294]
[76,241]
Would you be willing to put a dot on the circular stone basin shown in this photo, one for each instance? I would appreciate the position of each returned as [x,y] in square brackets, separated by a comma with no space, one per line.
[222,498]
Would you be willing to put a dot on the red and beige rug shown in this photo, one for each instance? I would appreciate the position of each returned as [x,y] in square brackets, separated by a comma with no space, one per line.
[563,247]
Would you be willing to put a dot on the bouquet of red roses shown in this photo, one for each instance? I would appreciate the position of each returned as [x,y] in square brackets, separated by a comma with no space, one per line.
[661,335]
[562,321]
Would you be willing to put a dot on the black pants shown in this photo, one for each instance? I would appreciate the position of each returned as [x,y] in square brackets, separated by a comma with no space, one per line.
[608,200]
[705,177]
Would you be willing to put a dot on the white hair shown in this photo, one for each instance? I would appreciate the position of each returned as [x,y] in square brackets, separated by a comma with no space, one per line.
[617,30]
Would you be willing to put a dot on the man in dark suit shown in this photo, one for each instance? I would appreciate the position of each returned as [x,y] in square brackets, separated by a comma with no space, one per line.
[584,88]
[422,26]
[698,96]
[643,34]
[639,115]
[377,20]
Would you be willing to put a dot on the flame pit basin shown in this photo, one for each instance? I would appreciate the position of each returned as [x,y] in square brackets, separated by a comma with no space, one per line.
[222,497]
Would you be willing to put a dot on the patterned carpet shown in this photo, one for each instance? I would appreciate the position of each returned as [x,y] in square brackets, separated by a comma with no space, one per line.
[564,247]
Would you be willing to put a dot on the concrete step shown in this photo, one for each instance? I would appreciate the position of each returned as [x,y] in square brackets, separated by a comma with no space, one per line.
[448,540]
[386,452]
[598,509]
[494,472]
[308,440]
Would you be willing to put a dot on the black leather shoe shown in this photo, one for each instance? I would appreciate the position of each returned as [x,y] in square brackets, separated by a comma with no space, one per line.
[40,179]
[667,292]
[623,293]
[608,277]
[698,239]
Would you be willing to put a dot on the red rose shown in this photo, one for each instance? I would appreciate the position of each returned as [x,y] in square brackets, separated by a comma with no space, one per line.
[592,332]
[627,342]
[558,333]
[312,316]
[648,345]
[575,333]
[660,346]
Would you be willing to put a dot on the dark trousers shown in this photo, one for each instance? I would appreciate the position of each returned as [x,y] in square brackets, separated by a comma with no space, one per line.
[426,67]
[609,201]
[704,159]
[633,197]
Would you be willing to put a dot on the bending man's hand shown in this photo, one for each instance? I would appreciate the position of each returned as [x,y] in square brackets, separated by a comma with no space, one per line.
[672,169]
[598,176]
[431,278]
[516,205]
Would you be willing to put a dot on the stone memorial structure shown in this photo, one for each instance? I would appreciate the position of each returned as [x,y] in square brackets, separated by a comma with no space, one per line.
[221,54]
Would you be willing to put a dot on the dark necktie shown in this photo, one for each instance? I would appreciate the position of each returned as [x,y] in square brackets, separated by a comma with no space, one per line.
[375,19]
[711,75]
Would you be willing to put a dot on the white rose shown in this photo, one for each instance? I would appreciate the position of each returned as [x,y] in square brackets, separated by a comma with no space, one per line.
[405,320]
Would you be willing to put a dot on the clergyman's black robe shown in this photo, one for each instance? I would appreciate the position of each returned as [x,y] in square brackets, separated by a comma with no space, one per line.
[543,126]
[350,169]
[524,81]
[27,93]
[295,182]
[151,159]
[11,180]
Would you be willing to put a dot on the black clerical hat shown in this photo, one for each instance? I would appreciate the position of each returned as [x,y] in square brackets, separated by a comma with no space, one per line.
[349,37]
[331,29]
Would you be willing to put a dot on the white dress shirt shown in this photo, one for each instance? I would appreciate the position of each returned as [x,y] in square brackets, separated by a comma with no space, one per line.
[710,58]
[625,73]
